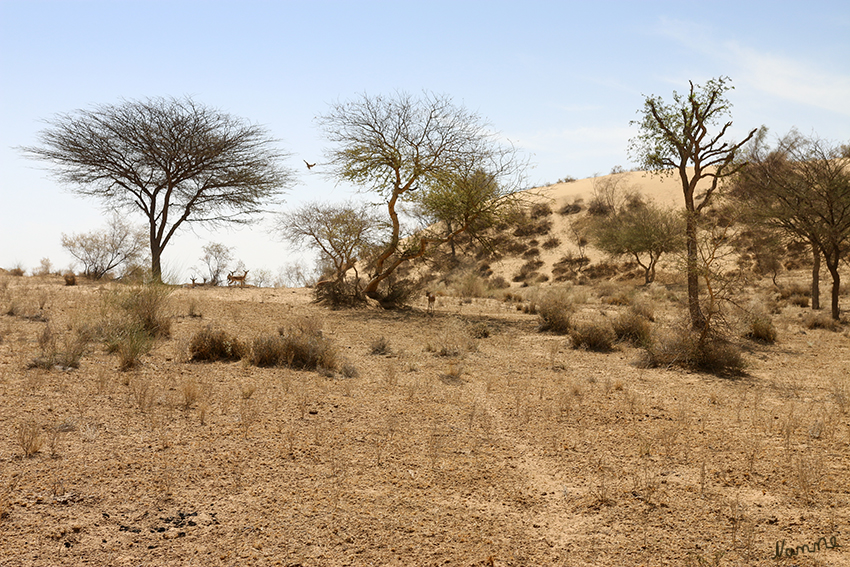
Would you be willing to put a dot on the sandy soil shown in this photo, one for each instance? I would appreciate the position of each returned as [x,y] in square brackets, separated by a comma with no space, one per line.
[518,451]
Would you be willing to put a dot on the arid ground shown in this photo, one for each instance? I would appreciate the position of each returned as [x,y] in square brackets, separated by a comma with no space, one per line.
[471,439]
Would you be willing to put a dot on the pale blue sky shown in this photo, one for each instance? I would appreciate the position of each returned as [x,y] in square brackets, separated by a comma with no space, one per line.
[561,80]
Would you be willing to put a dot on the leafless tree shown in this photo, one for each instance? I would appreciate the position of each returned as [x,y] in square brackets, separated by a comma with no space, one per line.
[216,258]
[174,160]
[341,233]
[102,251]
[801,187]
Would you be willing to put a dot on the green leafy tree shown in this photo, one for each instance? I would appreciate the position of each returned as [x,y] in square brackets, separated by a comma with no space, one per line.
[644,232]
[173,160]
[420,152]
[686,137]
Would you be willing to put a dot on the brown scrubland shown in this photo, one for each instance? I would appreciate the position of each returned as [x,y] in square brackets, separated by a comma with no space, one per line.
[547,412]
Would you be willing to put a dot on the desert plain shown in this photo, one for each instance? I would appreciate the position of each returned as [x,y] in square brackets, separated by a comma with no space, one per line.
[465,436]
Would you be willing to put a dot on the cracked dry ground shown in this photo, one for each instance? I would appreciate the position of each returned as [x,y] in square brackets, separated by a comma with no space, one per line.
[518,451]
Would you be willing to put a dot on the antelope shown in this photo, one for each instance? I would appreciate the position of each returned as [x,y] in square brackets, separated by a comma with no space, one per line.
[431,300]
[231,279]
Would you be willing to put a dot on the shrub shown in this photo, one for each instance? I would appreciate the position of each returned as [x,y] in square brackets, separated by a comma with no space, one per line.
[210,345]
[499,282]
[555,311]
[300,346]
[29,438]
[571,208]
[130,344]
[146,306]
[760,328]
[551,243]
[592,335]
[380,346]
[540,210]
[632,327]
[480,331]
[821,320]
[792,289]
[680,347]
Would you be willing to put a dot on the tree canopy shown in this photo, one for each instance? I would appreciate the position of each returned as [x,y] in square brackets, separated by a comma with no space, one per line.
[687,137]
[423,152]
[174,160]
[802,187]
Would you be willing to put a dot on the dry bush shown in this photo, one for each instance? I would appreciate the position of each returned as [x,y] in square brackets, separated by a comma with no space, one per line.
[643,307]
[480,331]
[540,210]
[555,310]
[571,208]
[760,328]
[28,437]
[821,320]
[380,346]
[453,341]
[210,345]
[133,318]
[594,335]
[498,282]
[130,343]
[789,290]
[51,355]
[528,271]
[299,346]
[633,327]
[189,393]
[682,347]
[470,284]
[799,300]
[147,305]
[551,243]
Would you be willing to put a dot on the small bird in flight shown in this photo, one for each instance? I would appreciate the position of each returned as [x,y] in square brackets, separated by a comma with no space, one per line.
[309,165]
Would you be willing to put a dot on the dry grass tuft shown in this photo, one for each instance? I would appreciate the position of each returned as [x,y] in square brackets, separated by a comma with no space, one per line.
[595,335]
[633,327]
[29,438]
[380,346]
[680,347]
[555,310]
[210,345]
[821,320]
[760,328]
[300,346]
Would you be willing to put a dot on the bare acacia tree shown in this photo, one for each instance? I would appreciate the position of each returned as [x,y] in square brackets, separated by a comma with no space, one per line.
[407,150]
[341,233]
[216,258]
[676,137]
[102,251]
[802,187]
[174,160]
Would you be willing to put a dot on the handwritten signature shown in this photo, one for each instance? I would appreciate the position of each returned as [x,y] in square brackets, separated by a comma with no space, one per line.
[782,551]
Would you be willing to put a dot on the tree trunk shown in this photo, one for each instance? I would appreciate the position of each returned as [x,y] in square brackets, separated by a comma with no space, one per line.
[836,287]
[156,265]
[815,277]
[698,321]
